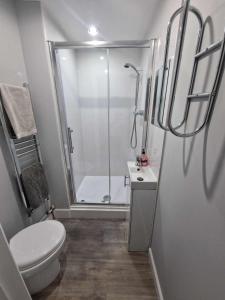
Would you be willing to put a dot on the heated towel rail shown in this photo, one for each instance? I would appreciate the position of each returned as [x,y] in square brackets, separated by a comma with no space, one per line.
[199,55]
[24,151]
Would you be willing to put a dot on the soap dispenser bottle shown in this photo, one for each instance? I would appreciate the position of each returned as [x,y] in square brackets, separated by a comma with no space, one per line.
[144,159]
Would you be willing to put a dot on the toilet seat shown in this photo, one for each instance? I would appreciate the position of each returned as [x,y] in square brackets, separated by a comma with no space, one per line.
[34,244]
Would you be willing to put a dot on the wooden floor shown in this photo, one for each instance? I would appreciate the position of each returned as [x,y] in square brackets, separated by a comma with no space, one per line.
[97,266]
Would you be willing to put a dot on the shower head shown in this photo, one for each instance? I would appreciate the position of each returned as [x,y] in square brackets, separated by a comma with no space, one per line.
[129,65]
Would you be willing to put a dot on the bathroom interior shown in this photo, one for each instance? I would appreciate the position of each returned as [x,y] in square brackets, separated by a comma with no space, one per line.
[112,149]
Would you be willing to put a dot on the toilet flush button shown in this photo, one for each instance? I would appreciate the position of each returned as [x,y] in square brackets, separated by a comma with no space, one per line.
[140,178]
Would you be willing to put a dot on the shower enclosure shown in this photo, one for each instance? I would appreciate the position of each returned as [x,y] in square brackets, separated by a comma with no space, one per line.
[96,101]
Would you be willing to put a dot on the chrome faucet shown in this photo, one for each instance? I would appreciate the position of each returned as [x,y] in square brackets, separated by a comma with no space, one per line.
[138,161]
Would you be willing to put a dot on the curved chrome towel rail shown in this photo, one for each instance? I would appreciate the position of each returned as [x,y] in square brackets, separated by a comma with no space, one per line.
[200,54]
[183,9]
[205,96]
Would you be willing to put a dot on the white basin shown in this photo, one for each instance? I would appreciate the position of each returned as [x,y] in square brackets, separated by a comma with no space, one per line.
[141,177]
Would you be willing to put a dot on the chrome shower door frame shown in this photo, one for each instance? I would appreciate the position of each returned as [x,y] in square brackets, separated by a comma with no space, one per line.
[64,129]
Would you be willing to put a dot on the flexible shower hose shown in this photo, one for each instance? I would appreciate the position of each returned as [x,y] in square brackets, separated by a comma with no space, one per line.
[133,137]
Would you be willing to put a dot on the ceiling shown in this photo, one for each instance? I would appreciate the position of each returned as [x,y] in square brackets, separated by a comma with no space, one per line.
[115,19]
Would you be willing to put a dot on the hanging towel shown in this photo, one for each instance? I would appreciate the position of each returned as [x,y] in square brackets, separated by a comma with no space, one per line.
[35,185]
[17,104]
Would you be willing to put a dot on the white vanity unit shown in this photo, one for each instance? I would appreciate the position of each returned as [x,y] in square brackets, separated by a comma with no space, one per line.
[142,193]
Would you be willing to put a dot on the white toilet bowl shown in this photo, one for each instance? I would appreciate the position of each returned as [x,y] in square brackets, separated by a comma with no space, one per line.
[36,250]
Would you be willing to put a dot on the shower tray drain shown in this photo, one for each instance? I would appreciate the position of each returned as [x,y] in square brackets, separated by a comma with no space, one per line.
[106,198]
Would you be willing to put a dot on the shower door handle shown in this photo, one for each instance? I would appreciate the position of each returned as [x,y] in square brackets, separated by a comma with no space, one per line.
[71,147]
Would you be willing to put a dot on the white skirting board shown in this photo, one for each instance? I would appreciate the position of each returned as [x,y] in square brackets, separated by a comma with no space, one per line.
[156,278]
[92,212]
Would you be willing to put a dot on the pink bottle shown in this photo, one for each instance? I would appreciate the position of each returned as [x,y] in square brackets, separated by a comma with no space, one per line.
[144,159]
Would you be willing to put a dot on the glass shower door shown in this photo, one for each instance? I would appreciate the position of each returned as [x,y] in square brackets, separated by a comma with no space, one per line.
[122,101]
[84,85]
[98,102]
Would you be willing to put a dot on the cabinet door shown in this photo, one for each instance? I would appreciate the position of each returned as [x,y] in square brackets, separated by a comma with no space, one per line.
[128,191]
[141,222]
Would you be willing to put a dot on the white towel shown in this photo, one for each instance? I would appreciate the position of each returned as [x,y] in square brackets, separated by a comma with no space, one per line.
[17,103]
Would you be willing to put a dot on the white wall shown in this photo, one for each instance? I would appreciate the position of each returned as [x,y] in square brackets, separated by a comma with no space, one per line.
[12,285]
[116,20]
[12,70]
[188,240]
[43,96]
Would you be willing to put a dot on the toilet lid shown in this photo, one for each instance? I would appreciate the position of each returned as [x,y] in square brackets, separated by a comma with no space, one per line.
[35,243]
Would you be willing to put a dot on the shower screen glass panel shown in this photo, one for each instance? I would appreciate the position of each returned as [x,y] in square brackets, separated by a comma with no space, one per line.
[121,108]
[84,82]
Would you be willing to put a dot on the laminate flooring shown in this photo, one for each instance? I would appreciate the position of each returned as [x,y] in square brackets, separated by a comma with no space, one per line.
[95,265]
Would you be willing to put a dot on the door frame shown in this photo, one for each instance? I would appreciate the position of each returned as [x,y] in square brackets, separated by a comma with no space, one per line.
[65,138]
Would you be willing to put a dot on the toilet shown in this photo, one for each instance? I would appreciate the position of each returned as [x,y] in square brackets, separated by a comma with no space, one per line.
[36,251]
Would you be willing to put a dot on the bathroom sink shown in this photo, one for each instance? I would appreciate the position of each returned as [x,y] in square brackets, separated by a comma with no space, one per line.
[135,169]
[141,177]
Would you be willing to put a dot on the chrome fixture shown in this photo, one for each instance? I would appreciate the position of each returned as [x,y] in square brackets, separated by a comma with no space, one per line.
[23,151]
[146,114]
[200,54]
[106,199]
[133,138]
[128,65]
[138,161]
[102,44]
[70,141]
[126,180]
